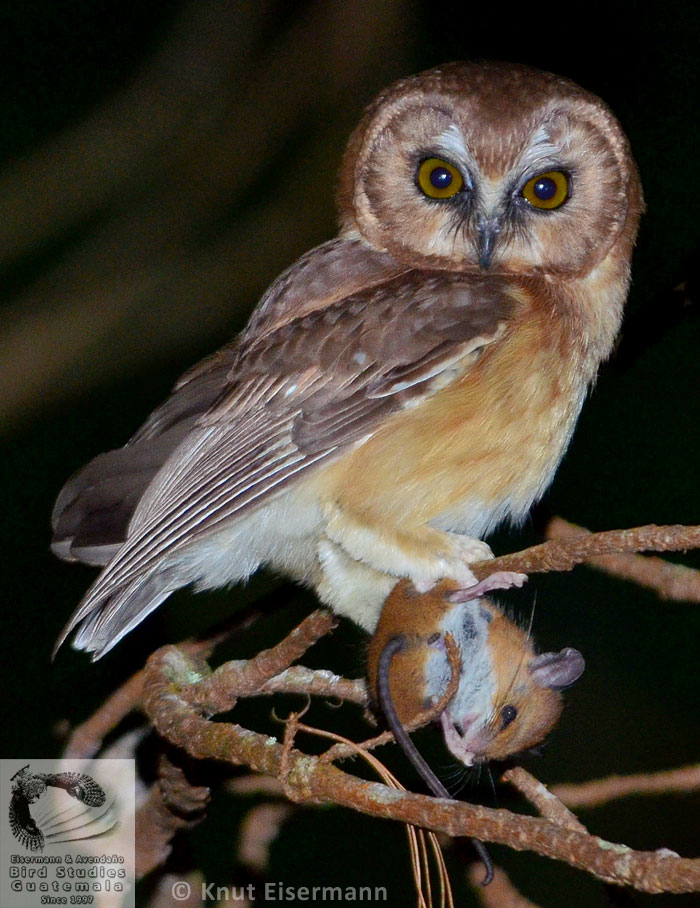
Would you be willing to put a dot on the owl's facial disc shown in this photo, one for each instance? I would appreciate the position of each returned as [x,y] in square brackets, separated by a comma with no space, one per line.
[474,166]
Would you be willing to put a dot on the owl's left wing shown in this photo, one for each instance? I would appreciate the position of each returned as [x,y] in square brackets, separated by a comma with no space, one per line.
[78,785]
[295,398]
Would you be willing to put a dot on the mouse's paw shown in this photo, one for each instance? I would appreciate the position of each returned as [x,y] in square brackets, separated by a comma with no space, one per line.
[499,580]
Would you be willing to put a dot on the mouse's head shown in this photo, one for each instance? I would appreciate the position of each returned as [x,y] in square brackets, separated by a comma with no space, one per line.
[510,698]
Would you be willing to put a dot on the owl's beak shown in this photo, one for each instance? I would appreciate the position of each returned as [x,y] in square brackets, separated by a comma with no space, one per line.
[487,233]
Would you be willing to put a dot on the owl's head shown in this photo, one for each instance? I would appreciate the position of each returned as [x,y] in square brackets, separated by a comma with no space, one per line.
[491,165]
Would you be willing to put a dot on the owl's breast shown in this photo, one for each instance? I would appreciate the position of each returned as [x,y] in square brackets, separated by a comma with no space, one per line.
[477,452]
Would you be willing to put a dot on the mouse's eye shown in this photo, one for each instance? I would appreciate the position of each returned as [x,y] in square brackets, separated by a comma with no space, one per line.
[508,713]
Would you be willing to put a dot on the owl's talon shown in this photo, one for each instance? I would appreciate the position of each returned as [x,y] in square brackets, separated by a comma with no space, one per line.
[470,550]
[463,551]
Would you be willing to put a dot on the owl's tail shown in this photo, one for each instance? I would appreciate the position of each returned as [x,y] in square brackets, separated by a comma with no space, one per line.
[108,612]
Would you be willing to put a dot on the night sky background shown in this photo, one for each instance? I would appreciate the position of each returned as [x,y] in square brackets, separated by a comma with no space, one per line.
[161,164]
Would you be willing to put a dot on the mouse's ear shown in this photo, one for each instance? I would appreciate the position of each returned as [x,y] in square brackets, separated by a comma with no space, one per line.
[557,670]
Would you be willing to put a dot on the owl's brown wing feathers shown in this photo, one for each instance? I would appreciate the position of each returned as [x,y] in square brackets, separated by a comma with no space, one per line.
[92,512]
[91,516]
[294,398]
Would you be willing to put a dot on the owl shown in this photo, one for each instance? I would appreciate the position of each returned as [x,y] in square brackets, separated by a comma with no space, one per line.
[401,389]
[28,787]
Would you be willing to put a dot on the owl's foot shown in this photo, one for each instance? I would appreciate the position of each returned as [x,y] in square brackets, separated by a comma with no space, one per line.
[452,563]
[424,555]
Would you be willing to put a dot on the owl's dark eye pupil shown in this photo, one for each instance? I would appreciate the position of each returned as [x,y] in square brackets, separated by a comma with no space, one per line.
[545,188]
[440,177]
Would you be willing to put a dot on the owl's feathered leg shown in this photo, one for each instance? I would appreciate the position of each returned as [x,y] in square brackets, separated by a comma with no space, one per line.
[422,554]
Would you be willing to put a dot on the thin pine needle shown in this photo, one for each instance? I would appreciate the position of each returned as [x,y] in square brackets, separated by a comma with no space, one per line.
[420,856]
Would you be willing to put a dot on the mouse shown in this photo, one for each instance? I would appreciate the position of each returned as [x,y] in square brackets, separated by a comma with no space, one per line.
[508,697]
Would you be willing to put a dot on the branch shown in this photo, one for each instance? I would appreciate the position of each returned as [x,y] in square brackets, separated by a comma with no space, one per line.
[565,553]
[169,671]
[173,804]
[177,689]
[670,581]
[547,803]
[215,693]
[316,682]
[259,828]
[86,739]
[684,780]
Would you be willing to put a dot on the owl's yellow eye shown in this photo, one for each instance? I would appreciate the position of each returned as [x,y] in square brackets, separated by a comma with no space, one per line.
[547,190]
[439,179]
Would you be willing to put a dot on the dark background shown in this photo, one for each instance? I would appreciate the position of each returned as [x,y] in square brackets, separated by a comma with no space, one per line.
[161,164]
